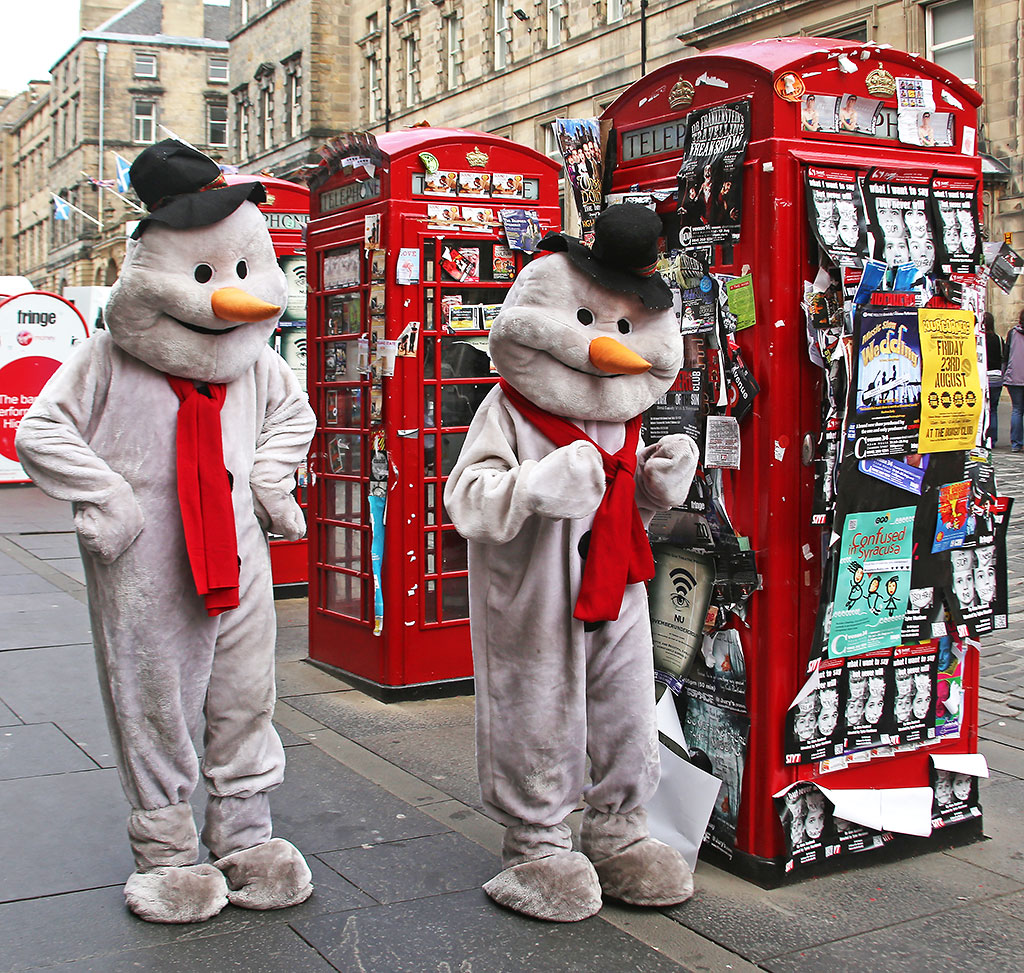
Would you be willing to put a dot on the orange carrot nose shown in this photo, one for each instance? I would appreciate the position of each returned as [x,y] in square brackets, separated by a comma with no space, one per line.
[234,304]
[615,358]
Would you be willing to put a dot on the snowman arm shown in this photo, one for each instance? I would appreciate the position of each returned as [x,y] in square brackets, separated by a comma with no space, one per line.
[281,445]
[664,472]
[52,447]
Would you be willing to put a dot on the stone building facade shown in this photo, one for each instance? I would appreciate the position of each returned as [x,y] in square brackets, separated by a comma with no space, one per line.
[133,69]
[291,85]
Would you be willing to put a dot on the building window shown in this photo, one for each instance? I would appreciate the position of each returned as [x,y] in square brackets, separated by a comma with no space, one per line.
[242,106]
[409,57]
[857,32]
[556,14]
[145,65]
[143,121]
[217,123]
[292,97]
[502,33]
[373,87]
[451,53]
[613,12]
[217,70]
[950,35]
[265,107]
[245,11]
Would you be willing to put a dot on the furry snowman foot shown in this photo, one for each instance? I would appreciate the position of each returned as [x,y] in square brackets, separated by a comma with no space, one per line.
[273,875]
[559,888]
[176,894]
[648,873]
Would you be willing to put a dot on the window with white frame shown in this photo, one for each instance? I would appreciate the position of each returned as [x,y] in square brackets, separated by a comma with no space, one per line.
[242,106]
[265,109]
[451,52]
[293,96]
[217,123]
[409,59]
[949,28]
[145,64]
[502,33]
[373,86]
[613,12]
[556,14]
[217,70]
[143,121]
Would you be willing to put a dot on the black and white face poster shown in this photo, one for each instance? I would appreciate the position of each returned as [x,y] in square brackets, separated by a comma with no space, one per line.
[815,729]
[711,176]
[869,690]
[958,236]
[898,206]
[836,214]
[915,669]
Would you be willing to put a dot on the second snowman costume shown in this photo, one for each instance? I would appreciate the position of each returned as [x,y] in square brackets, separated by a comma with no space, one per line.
[553,489]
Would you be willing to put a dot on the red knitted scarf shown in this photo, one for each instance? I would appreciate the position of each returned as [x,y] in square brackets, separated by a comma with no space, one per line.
[619,552]
[204,493]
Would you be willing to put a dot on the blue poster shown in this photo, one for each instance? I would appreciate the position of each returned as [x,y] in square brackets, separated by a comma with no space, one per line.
[872,582]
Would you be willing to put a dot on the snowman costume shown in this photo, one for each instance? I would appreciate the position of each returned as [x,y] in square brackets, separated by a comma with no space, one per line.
[586,341]
[176,435]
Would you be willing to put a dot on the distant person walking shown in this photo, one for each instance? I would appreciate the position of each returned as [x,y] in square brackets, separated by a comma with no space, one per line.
[1013,380]
[994,351]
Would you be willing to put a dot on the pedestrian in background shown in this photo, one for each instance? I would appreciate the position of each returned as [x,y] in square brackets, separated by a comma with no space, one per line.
[1013,379]
[994,353]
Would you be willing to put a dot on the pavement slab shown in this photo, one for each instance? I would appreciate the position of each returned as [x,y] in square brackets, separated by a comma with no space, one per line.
[38,750]
[51,684]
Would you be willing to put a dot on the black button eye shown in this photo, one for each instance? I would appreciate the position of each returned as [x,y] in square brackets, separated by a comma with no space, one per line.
[584,316]
[624,326]
[203,273]
[242,269]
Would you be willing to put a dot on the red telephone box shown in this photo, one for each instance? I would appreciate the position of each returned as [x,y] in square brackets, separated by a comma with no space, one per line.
[770,498]
[408,264]
[287,210]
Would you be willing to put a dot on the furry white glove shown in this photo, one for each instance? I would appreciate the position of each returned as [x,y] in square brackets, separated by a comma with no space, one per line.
[568,483]
[666,469]
[280,514]
[108,529]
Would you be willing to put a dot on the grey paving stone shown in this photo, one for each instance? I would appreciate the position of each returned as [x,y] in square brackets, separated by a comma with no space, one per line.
[62,834]
[38,750]
[759,923]
[51,684]
[292,612]
[1004,758]
[464,931]
[288,738]
[7,718]
[299,678]
[972,939]
[27,508]
[91,734]
[443,756]
[70,566]
[401,870]
[272,949]
[1002,801]
[50,545]
[95,924]
[323,806]
[356,715]
[51,599]
[9,567]
[45,626]
[22,582]
[292,645]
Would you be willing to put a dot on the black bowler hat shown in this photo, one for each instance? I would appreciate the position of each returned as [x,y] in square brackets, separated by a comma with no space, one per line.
[624,255]
[183,188]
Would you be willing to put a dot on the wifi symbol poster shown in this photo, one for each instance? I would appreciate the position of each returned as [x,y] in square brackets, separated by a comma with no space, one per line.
[679,597]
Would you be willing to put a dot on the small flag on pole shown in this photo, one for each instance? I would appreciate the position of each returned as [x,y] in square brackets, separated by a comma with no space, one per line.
[61,208]
[123,182]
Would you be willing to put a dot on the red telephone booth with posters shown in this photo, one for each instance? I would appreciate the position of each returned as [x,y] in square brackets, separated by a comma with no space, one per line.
[286,210]
[408,264]
[770,497]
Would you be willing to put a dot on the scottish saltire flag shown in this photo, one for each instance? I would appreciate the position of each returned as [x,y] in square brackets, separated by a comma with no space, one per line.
[122,181]
[61,208]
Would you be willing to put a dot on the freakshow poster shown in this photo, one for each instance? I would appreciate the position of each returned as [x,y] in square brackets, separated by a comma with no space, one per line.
[579,140]
[958,240]
[886,390]
[872,581]
[898,207]
[914,680]
[815,729]
[951,398]
[711,176]
[679,598]
[717,740]
[836,214]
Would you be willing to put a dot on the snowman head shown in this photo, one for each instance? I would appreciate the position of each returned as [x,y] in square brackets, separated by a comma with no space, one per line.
[589,333]
[200,291]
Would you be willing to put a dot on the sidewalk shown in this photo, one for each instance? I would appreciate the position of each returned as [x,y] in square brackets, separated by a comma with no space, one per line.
[382,799]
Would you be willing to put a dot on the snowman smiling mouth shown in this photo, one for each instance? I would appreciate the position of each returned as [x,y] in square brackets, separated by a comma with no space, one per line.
[233,304]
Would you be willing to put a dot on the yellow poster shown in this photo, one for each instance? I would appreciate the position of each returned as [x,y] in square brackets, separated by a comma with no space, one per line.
[951,395]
